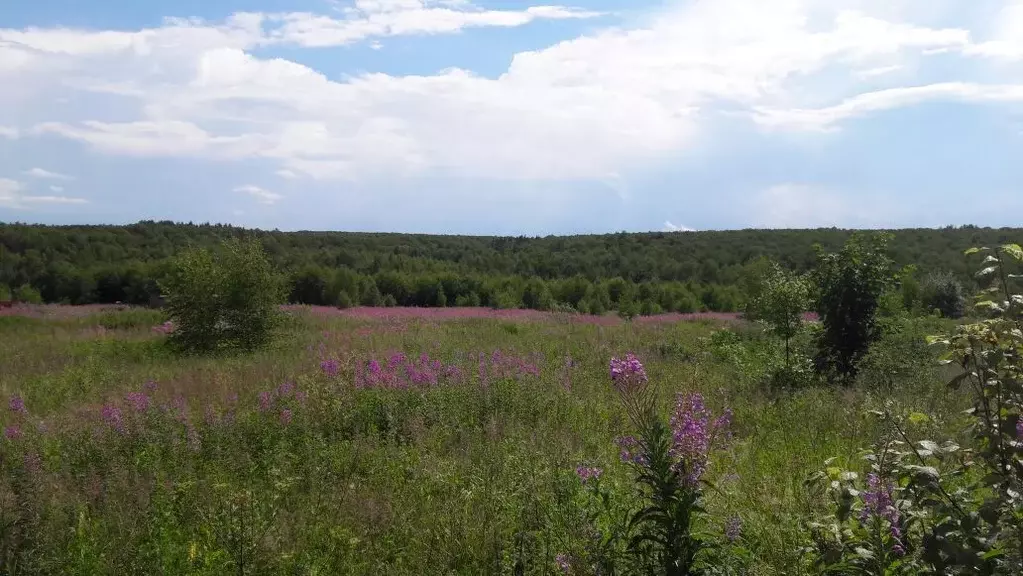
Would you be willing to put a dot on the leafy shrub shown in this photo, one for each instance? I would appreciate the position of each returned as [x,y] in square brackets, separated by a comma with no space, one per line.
[783,298]
[344,301]
[941,291]
[850,285]
[537,295]
[223,299]
[930,508]
[27,295]
[5,293]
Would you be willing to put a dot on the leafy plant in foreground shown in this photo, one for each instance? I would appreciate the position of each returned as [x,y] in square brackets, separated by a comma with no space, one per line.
[668,534]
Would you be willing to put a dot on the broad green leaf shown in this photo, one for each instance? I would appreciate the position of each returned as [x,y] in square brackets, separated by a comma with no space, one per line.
[930,445]
[1013,250]
[974,251]
[986,272]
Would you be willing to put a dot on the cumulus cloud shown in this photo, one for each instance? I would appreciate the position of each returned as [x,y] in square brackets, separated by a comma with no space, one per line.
[605,102]
[670,227]
[9,133]
[47,175]
[261,195]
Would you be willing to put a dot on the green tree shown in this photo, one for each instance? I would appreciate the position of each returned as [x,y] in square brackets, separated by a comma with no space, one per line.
[227,298]
[941,291]
[782,299]
[849,285]
[5,293]
[536,295]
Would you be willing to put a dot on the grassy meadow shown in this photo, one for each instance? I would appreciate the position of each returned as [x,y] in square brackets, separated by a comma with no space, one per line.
[398,444]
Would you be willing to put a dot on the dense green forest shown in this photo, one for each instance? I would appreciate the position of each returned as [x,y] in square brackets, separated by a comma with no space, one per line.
[641,272]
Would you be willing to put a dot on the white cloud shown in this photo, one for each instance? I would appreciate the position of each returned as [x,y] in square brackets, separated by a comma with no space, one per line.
[9,192]
[796,205]
[9,132]
[261,195]
[601,103]
[57,189]
[381,18]
[670,227]
[12,196]
[53,200]
[47,175]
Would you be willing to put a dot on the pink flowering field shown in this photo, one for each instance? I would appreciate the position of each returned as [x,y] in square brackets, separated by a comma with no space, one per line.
[390,441]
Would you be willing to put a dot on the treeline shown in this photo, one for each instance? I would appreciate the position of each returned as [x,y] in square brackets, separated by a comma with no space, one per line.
[651,272]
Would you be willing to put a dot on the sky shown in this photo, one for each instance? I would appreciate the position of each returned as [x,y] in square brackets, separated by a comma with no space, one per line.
[509,117]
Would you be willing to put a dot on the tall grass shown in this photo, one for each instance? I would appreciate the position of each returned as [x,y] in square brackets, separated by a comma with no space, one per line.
[131,460]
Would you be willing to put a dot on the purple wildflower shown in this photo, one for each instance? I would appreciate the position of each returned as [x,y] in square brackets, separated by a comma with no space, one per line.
[587,473]
[12,432]
[112,417]
[285,388]
[301,397]
[628,374]
[139,400]
[563,563]
[693,433]
[631,451]
[285,417]
[1019,429]
[733,528]
[879,503]
[17,405]
[330,367]
[265,401]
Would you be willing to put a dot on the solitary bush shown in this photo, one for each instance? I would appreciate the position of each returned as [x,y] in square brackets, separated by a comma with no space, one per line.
[223,299]
[850,285]
[27,295]
[941,291]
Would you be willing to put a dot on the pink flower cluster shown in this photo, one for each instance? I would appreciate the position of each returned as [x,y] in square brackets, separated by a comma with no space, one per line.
[165,328]
[694,433]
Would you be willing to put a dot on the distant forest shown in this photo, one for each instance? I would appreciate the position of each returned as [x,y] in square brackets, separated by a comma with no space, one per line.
[645,272]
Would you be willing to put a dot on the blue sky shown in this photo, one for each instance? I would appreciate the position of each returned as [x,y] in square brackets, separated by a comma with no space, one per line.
[508,117]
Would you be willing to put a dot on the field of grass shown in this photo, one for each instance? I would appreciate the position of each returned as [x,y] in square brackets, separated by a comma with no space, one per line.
[391,444]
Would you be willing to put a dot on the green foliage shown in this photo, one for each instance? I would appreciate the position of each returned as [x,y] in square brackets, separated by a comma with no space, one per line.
[850,285]
[129,319]
[27,295]
[223,299]
[943,292]
[782,299]
[5,293]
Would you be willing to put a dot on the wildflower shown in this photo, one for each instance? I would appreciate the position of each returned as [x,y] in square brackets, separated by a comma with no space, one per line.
[285,388]
[265,401]
[587,473]
[12,432]
[301,397]
[1019,429]
[17,405]
[563,563]
[329,367]
[630,449]
[112,417]
[285,417]
[879,503]
[149,386]
[733,528]
[693,432]
[139,400]
[628,374]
